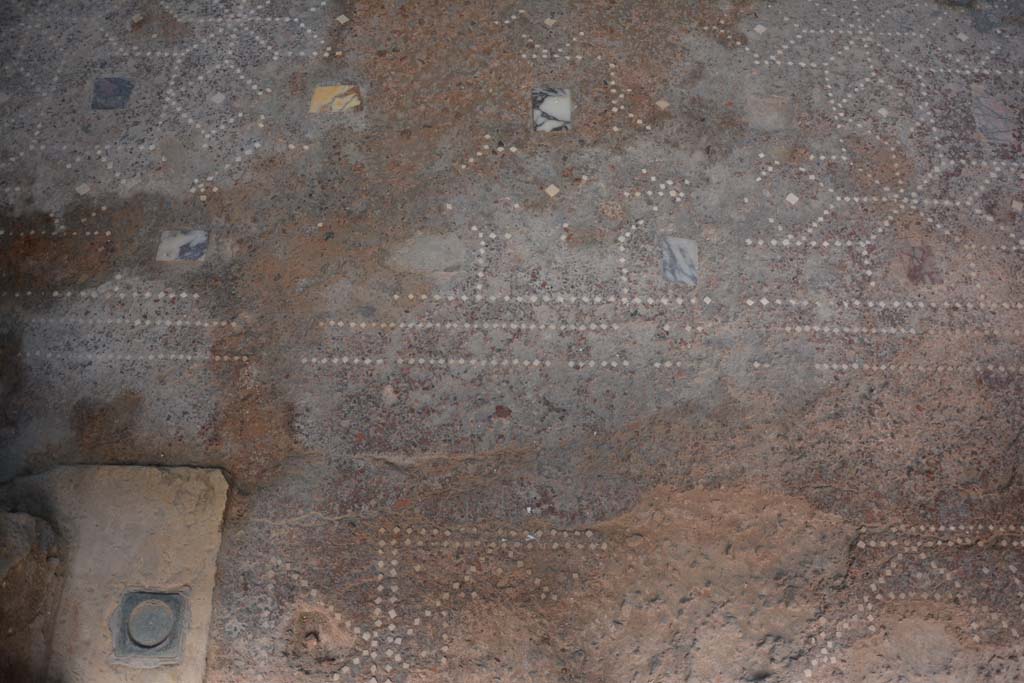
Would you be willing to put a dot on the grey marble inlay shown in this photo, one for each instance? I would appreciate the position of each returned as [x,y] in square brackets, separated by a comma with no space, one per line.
[111,92]
[182,245]
[552,109]
[679,260]
[993,118]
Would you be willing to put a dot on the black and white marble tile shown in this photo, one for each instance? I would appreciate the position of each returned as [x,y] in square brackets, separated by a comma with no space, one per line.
[182,245]
[552,109]
[679,260]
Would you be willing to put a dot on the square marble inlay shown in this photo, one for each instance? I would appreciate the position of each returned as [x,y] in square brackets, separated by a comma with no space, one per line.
[111,92]
[333,98]
[182,245]
[679,260]
[552,109]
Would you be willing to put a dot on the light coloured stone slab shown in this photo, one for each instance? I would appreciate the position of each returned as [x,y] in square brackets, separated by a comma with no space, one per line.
[130,528]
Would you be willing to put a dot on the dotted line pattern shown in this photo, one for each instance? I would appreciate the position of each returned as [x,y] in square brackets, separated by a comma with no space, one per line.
[547,299]
[567,52]
[164,296]
[360,325]
[622,239]
[901,331]
[496,325]
[135,322]
[486,150]
[973,368]
[981,330]
[617,96]
[790,241]
[764,301]
[481,253]
[816,329]
[56,233]
[512,17]
[664,191]
[461,362]
[134,357]
[957,534]
[917,571]
[396,550]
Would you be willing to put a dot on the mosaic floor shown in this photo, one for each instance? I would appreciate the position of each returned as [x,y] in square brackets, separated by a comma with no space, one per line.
[543,340]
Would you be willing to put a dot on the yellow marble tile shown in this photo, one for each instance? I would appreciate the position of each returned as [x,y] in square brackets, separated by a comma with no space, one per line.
[332,98]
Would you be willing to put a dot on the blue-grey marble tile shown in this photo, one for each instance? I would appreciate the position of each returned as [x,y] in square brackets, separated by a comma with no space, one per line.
[993,118]
[552,109]
[679,260]
[111,92]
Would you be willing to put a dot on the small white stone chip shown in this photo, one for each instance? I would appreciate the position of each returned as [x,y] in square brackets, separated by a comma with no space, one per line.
[662,104]
[963,37]
[792,198]
[549,22]
[551,190]
[759,29]
[342,19]
[883,112]
[1018,206]
[83,188]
